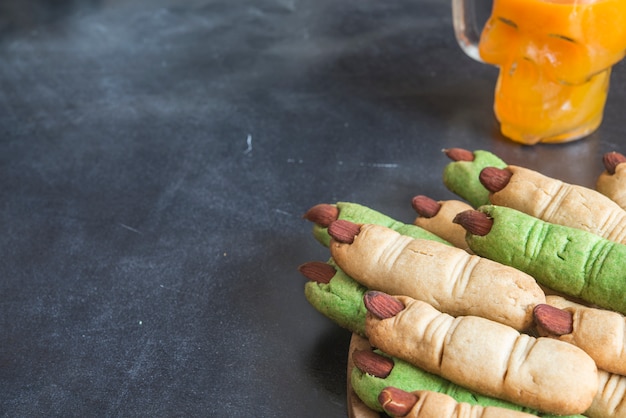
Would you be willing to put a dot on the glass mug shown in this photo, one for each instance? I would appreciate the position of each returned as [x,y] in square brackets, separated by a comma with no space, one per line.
[554,58]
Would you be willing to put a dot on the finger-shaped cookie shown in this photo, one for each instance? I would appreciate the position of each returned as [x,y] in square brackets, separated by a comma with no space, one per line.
[447,277]
[374,370]
[483,355]
[429,404]
[356,407]
[612,181]
[323,214]
[461,175]
[599,332]
[335,294]
[610,401]
[555,201]
[436,217]
[569,260]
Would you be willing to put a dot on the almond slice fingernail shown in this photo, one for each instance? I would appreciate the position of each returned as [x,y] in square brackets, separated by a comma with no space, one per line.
[344,231]
[552,320]
[474,221]
[494,179]
[382,305]
[459,154]
[397,402]
[425,206]
[611,160]
[322,214]
[317,271]
[372,363]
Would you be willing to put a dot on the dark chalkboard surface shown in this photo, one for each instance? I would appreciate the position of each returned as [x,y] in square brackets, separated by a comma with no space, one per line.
[156,158]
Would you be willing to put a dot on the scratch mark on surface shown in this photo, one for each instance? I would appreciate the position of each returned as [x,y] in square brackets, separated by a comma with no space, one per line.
[380,165]
[179,291]
[249,142]
[282,212]
[130,228]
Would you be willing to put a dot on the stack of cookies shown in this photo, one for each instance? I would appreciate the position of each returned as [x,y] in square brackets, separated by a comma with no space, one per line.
[508,302]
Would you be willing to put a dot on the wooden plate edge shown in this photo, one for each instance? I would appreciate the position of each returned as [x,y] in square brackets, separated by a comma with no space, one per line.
[356,408]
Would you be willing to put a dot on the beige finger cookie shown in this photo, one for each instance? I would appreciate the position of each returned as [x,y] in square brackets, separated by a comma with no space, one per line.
[446,277]
[429,404]
[436,217]
[554,201]
[610,401]
[612,182]
[600,333]
[482,355]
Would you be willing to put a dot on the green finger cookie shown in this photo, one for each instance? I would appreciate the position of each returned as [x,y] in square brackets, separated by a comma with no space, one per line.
[360,214]
[410,378]
[341,300]
[569,260]
[461,177]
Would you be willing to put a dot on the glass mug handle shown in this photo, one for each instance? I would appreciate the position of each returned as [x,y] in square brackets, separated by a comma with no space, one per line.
[466,27]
